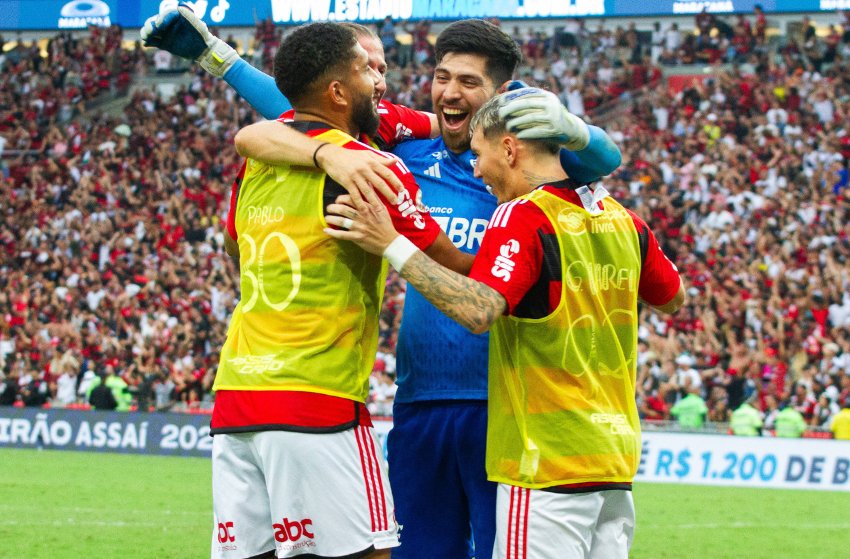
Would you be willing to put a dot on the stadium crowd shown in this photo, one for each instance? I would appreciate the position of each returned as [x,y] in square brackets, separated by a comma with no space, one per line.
[111,246]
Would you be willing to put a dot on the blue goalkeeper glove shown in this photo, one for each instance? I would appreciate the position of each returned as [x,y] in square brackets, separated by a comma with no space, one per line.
[180,32]
[537,114]
[516,84]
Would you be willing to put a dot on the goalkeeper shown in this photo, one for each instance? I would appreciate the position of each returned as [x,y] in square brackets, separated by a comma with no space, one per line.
[436,447]
[590,152]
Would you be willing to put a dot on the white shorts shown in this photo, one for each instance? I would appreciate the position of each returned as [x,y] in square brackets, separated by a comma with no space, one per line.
[534,524]
[326,495]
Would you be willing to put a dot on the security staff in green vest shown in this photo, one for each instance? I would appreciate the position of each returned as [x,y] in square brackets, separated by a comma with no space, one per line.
[747,420]
[119,388]
[790,423]
[691,410]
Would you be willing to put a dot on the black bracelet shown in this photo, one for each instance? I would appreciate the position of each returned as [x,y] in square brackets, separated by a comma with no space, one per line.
[316,163]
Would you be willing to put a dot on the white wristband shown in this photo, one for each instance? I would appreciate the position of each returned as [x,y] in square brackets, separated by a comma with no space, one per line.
[399,252]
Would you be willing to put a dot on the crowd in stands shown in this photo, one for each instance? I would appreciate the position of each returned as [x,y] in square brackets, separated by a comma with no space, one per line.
[111,243]
[38,89]
[743,177]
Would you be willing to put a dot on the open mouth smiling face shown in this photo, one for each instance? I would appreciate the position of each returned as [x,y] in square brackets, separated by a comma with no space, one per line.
[454,118]
[460,87]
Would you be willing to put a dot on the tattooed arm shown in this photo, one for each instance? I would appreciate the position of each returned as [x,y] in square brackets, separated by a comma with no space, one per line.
[471,303]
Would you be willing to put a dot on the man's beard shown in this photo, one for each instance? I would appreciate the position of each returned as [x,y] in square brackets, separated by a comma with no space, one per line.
[457,141]
[365,116]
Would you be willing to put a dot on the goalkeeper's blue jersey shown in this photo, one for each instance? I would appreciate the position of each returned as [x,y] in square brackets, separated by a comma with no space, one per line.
[437,358]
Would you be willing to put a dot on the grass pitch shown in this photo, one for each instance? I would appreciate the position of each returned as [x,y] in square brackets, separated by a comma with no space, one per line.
[103,506]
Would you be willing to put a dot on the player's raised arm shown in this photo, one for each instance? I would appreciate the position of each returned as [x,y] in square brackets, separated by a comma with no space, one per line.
[180,32]
[588,154]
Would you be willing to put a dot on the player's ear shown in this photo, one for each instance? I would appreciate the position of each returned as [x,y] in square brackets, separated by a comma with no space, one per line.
[509,148]
[337,93]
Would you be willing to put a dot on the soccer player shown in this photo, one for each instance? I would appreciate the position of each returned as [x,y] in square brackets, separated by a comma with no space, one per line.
[437,444]
[180,32]
[557,282]
[436,447]
[295,465]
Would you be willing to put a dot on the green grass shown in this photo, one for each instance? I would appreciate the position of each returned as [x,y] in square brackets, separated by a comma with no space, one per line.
[689,521]
[103,506]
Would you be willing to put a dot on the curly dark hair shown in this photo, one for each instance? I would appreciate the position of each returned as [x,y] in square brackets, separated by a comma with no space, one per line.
[310,53]
[476,36]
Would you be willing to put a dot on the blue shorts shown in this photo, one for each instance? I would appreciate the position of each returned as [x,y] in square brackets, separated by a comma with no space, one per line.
[442,497]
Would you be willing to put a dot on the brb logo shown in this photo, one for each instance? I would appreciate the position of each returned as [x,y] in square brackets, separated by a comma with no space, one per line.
[293,531]
[225,533]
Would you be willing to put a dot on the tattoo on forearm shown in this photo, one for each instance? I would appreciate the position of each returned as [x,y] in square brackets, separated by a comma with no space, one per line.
[469,302]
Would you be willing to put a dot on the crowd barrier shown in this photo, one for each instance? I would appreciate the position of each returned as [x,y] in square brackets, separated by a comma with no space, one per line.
[689,458]
[180,434]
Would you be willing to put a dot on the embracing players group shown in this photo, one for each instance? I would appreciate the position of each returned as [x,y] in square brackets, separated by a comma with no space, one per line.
[518,444]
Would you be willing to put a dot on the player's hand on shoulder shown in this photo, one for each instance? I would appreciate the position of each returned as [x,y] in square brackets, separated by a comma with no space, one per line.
[369,225]
[361,172]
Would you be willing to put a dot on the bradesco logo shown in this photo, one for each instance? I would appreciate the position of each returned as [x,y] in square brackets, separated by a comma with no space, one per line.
[292,531]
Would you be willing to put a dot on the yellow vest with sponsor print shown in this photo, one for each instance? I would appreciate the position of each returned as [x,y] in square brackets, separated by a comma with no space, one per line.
[308,316]
[562,388]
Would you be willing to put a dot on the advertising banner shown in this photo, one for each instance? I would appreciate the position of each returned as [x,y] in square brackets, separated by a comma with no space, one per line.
[180,434]
[822,464]
[78,14]
[58,14]
[745,461]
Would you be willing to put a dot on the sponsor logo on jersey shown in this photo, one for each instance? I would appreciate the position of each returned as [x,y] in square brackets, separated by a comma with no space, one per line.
[226,536]
[571,222]
[618,421]
[293,534]
[440,155]
[226,532]
[256,364]
[462,232]
[419,204]
[599,278]
[407,208]
[293,530]
[402,132]
[434,171]
[504,265]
